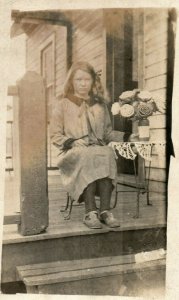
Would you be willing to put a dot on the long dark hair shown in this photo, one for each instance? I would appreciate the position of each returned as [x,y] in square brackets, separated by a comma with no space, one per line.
[96,92]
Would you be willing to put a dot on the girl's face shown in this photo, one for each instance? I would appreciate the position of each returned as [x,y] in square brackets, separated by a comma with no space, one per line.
[82,83]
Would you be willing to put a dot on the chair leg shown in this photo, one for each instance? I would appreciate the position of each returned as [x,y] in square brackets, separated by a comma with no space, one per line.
[69,204]
[147,188]
[116,196]
[148,199]
[67,217]
[148,179]
[136,216]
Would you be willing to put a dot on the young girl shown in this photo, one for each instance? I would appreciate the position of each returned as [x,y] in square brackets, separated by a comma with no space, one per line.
[81,129]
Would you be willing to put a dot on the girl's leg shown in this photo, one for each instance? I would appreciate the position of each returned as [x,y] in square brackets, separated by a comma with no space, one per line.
[105,191]
[89,197]
[91,215]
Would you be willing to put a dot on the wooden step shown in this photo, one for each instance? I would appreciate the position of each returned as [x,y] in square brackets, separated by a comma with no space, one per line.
[83,275]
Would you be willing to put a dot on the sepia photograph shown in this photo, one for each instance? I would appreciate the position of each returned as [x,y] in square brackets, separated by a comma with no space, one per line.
[88,146]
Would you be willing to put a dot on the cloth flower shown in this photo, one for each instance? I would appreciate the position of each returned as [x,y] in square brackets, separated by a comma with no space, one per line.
[140,104]
[128,96]
[144,111]
[160,104]
[135,103]
[144,96]
[127,111]
[115,109]
[152,104]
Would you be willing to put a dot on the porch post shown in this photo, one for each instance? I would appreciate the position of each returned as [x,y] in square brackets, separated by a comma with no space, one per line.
[141,82]
[32,158]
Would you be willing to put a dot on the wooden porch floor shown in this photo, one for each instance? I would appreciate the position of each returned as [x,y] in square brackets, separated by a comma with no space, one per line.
[150,216]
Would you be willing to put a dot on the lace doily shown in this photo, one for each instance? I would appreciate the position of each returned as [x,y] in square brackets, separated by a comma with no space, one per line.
[126,149]
[144,150]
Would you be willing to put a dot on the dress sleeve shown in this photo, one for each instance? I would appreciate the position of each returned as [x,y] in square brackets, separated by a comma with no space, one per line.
[111,135]
[57,125]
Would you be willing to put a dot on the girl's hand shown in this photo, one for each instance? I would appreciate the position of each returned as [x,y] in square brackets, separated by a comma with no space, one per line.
[68,144]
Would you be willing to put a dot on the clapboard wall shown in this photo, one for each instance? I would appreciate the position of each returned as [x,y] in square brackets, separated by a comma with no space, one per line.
[89,39]
[35,43]
[155,57]
[88,43]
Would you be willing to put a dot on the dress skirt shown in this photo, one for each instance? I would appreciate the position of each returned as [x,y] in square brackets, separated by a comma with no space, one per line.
[80,166]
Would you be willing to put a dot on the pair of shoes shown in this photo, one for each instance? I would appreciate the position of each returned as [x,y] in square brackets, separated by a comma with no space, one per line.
[108,218]
[91,220]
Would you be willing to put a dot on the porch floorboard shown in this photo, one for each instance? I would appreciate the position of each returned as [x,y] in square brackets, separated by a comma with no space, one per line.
[150,216]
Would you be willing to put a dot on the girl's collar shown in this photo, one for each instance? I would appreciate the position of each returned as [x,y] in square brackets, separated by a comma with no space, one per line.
[78,100]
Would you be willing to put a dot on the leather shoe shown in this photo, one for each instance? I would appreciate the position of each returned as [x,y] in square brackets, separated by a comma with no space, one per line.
[91,220]
[108,218]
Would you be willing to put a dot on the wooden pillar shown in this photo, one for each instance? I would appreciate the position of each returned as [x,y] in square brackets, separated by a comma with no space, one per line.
[141,80]
[31,154]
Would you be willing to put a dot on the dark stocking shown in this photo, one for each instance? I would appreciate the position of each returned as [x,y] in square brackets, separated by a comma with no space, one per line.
[105,191]
[89,197]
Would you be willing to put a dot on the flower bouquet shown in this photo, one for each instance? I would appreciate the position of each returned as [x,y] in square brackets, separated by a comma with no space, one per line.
[138,105]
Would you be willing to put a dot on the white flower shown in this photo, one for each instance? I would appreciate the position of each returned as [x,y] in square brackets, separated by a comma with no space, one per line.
[160,104]
[115,109]
[127,111]
[127,96]
[144,96]
[135,104]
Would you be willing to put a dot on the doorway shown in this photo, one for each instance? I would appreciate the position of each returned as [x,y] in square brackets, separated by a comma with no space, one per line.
[121,67]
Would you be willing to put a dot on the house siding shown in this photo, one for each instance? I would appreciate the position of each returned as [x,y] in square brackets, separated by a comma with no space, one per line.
[89,39]
[155,81]
[88,43]
[36,40]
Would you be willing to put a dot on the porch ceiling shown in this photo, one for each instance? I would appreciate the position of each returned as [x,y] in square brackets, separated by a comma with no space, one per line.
[27,21]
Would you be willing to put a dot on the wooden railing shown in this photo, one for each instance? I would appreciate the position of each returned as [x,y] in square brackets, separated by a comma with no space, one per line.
[9,149]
